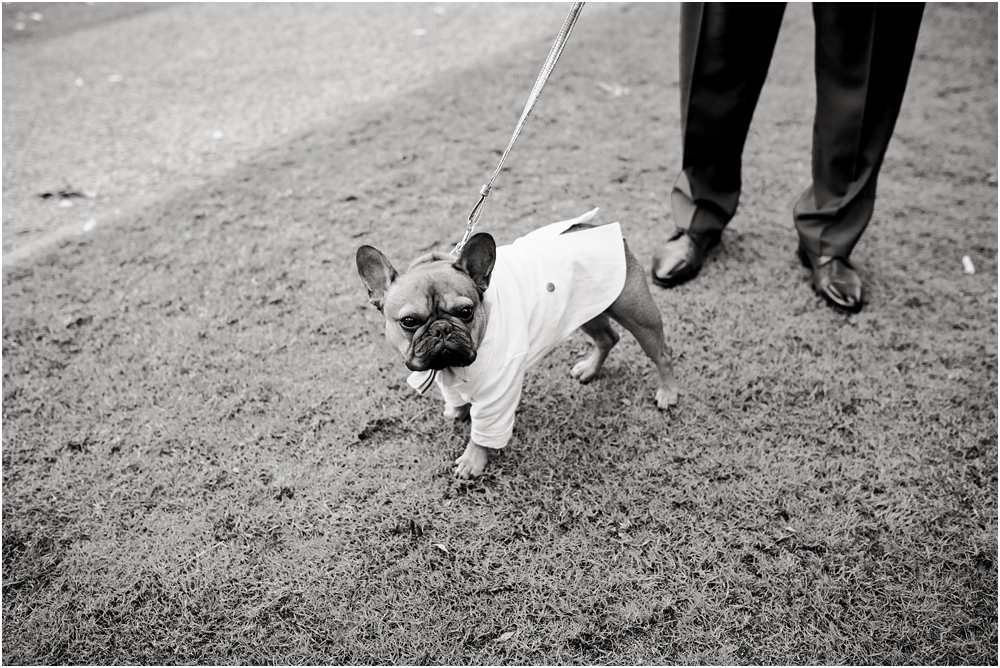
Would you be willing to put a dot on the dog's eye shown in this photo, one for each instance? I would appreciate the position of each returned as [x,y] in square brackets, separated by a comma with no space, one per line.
[409,322]
[465,313]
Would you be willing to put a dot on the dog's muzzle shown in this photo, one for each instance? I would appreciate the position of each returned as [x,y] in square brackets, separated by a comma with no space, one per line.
[440,346]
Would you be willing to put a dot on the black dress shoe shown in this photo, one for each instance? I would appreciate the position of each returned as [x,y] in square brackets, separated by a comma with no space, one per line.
[681,258]
[835,279]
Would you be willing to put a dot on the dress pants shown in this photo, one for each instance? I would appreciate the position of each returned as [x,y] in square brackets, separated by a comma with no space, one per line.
[863,56]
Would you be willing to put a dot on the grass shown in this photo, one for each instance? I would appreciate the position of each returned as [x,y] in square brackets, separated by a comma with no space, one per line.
[210,454]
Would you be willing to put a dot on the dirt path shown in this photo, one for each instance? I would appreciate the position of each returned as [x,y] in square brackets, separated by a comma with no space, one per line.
[103,111]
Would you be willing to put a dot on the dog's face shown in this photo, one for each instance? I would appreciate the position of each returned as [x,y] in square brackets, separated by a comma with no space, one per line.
[434,313]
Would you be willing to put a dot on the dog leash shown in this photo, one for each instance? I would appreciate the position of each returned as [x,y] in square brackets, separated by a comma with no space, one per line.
[543,76]
[423,380]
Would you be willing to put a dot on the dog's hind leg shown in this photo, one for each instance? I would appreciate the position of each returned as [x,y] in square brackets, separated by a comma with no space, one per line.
[647,328]
[605,338]
[650,338]
[636,311]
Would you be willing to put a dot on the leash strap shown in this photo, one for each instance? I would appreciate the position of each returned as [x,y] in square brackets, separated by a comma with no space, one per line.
[543,76]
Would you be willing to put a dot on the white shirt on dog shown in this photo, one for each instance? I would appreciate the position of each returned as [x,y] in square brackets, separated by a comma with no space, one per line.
[544,285]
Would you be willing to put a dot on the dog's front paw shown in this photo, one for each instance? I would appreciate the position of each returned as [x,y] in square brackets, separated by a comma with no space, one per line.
[666,397]
[457,412]
[472,463]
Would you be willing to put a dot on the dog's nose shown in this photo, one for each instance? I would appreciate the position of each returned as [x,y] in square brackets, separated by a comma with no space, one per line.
[440,329]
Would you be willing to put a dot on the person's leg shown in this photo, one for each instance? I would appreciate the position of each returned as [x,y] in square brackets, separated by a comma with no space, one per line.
[725,50]
[863,56]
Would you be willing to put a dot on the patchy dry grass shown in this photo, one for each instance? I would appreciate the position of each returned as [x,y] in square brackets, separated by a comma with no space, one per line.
[211,456]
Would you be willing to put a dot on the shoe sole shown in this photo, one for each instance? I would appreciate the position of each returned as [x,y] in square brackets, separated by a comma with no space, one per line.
[673,282]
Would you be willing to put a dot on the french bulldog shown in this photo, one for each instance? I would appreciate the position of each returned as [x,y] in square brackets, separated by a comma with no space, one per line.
[474,323]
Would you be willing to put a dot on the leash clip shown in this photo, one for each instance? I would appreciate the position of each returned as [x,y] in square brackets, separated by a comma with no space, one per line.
[477,211]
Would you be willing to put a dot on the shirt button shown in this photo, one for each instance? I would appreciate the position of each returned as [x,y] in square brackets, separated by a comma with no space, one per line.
[550,287]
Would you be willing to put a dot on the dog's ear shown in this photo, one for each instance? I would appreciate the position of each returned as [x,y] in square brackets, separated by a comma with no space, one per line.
[477,259]
[376,273]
